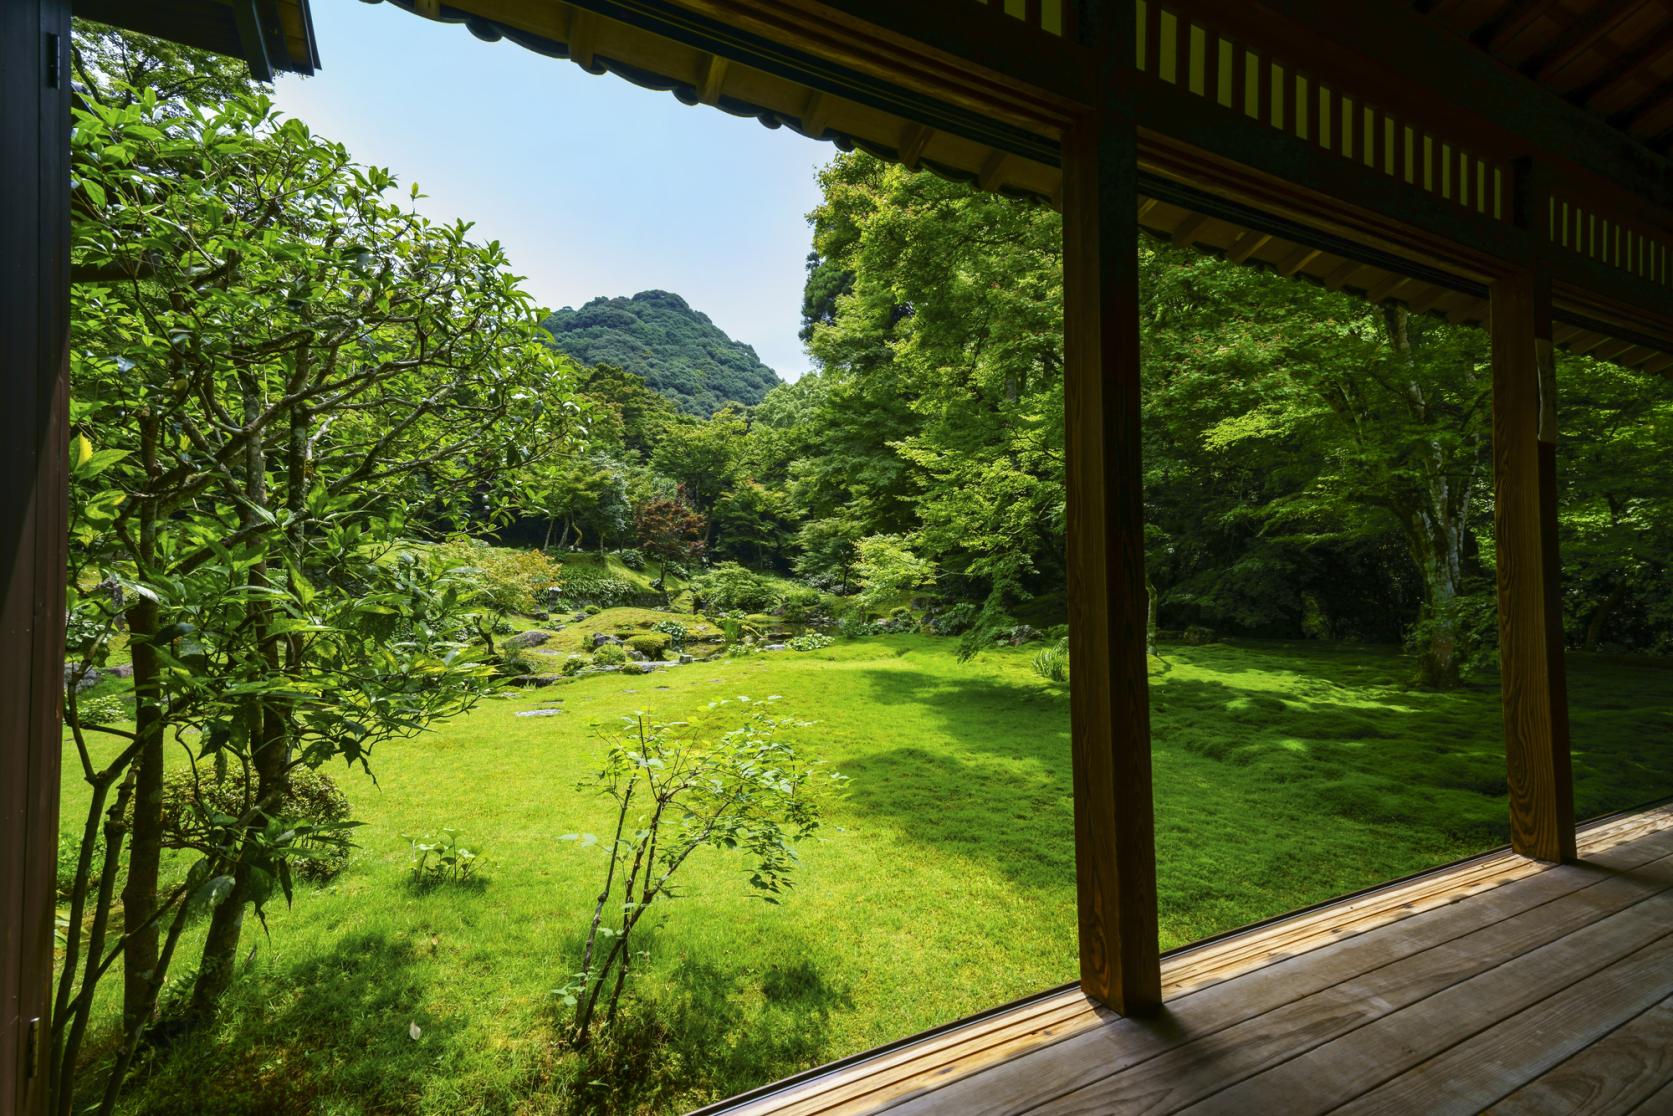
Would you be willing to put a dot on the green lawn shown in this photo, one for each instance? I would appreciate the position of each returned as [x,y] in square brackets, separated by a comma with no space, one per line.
[942,884]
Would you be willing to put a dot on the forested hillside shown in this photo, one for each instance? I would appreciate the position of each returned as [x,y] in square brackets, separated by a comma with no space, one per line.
[678,351]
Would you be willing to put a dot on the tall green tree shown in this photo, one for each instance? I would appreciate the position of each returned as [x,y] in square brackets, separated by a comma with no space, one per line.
[280,373]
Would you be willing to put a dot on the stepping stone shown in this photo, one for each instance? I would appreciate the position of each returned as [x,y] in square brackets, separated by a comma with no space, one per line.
[538,712]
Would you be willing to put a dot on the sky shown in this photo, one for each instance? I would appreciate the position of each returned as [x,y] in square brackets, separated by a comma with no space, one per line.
[594,185]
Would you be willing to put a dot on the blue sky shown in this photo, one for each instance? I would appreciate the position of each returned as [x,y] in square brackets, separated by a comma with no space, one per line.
[595,186]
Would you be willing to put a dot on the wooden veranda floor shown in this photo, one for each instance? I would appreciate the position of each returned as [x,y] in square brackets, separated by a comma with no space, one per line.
[1497,984]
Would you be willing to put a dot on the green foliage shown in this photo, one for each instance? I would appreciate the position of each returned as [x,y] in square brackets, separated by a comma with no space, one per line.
[632,558]
[678,350]
[281,372]
[811,641]
[508,579]
[729,587]
[573,665]
[1052,663]
[106,710]
[610,654]
[678,634]
[594,590]
[652,645]
[201,811]
[676,791]
[441,858]
[887,569]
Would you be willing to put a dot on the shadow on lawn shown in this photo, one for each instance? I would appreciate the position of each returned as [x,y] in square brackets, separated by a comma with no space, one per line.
[710,1033]
[341,1030]
[1002,795]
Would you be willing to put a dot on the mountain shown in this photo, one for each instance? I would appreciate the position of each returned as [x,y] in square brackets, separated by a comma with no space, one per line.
[678,350]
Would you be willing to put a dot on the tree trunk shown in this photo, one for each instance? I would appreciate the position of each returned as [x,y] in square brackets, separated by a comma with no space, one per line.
[145,848]
[268,729]
[1604,613]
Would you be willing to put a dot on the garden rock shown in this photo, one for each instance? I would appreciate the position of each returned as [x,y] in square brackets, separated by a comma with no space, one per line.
[538,712]
[600,639]
[776,647]
[684,659]
[534,681]
[532,638]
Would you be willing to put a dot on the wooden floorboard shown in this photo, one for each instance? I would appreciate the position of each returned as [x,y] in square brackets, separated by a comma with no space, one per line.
[1317,1052]
[1614,1074]
[1377,1001]
[1475,1073]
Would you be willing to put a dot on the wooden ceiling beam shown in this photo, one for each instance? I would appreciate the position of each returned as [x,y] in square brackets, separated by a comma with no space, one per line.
[1363,48]
[1648,112]
[1624,74]
[1247,245]
[992,174]
[1340,274]
[1427,299]
[1501,32]
[711,79]
[816,114]
[583,32]
[1385,289]
[913,141]
[1661,362]
[1185,233]
[1298,260]
[1586,33]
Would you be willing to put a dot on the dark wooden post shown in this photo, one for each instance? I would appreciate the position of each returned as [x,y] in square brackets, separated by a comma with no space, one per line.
[1115,853]
[34,330]
[1533,684]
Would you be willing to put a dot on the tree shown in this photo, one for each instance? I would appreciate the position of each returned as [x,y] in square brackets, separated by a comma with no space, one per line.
[747,789]
[279,373]
[670,532]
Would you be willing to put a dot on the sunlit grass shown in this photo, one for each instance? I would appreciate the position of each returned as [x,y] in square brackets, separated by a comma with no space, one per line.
[942,884]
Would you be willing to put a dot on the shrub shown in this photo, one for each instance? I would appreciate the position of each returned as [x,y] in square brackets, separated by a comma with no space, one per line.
[652,645]
[573,665]
[675,792]
[609,654]
[812,641]
[509,579]
[632,558]
[729,587]
[953,620]
[799,603]
[600,591]
[103,710]
[441,858]
[1052,663]
[196,809]
[515,664]
[678,634]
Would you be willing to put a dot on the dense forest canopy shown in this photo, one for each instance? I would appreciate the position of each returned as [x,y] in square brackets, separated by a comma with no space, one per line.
[1315,466]
[678,351]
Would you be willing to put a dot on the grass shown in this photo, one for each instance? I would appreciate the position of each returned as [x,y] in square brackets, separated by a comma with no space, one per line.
[942,884]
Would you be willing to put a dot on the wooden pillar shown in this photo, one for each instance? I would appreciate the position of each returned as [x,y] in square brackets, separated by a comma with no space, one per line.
[34,316]
[1115,855]
[1533,686]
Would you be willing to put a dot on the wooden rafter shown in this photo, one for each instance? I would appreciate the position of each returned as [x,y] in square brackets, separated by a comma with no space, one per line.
[1247,245]
[913,140]
[1297,261]
[1630,69]
[583,31]
[1501,32]
[992,174]
[1585,34]
[1185,233]
[712,79]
